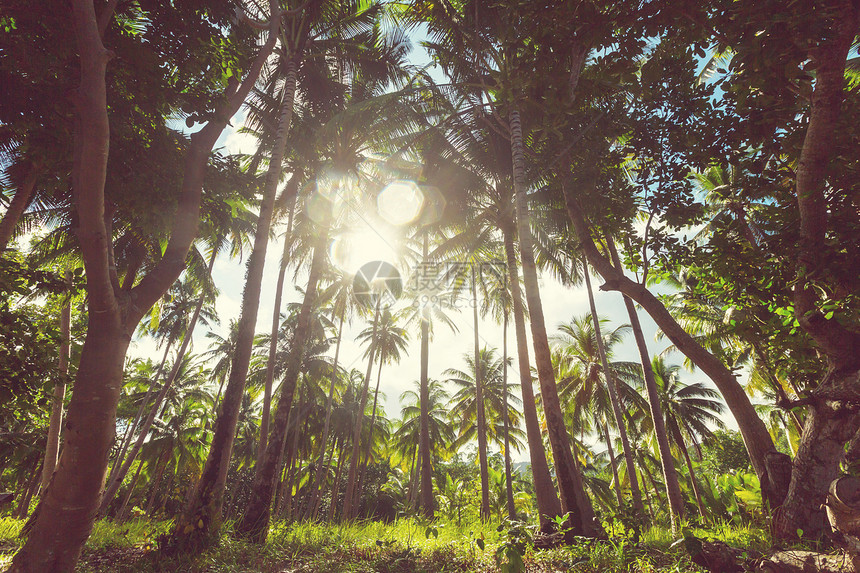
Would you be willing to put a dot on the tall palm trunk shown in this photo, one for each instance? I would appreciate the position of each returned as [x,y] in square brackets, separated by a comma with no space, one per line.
[369,447]
[116,480]
[120,513]
[295,459]
[315,508]
[670,476]
[613,463]
[574,500]
[273,339]
[509,486]
[160,468]
[56,420]
[255,523]
[545,493]
[208,498]
[682,446]
[17,206]
[424,465]
[480,414]
[132,429]
[315,486]
[612,386]
[335,488]
[348,501]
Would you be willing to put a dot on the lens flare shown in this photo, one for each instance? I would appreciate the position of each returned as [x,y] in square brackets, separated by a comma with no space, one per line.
[400,202]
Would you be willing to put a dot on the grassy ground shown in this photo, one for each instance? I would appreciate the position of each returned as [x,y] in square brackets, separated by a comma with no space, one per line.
[404,546]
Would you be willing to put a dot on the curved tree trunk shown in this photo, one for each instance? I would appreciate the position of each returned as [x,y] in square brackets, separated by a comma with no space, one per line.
[480,413]
[23,195]
[756,437]
[612,386]
[574,500]
[205,504]
[509,486]
[56,420]
[255,523]
[545,494]
[352,475]
[424,466]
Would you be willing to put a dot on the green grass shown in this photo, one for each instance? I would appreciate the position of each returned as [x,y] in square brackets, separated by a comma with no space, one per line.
[404,546]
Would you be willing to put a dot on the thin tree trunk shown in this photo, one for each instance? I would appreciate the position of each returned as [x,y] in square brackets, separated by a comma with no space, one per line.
[129,434]
[613,463]
[679,440]
[335,488]
[315,487]
[120,514]
[56,420]
[294,461]
[574,500]
[205,505]
[424,465]
[509,486]
[117,480]
[161,467]
[545,493]
[273,340]
[612,386]
[670,476]
[480,414]
[255,523]
[315,510]
[32,487]
[369,448]
[349,497]
[19,203]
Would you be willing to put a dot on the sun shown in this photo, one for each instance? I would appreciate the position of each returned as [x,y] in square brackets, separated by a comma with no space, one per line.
[363,244]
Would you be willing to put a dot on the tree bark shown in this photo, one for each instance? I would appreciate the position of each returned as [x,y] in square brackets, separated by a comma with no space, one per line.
[255,523]
[19,203]
[612,386]
[545,493]
[480,414]
[120,513]
[56,420]
[205,505]
[670,476]
[369,448]
[73,495]
[574,500]
[614,465]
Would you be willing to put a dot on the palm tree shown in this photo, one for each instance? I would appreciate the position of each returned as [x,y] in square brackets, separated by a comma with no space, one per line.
[688,409]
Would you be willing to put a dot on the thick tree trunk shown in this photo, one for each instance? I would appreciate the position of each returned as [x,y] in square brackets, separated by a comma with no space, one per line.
[509,486]
[612,386]
[755,435]
[205,504]
[574,500]
[23,195]
[480,414]
[424,465]
[349,496]
[670,476]
[56,420]
[545,493]
[315,486]
[116,480]
[255,523]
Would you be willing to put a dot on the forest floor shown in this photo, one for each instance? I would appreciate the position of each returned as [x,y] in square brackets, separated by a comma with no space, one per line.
[402,547]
